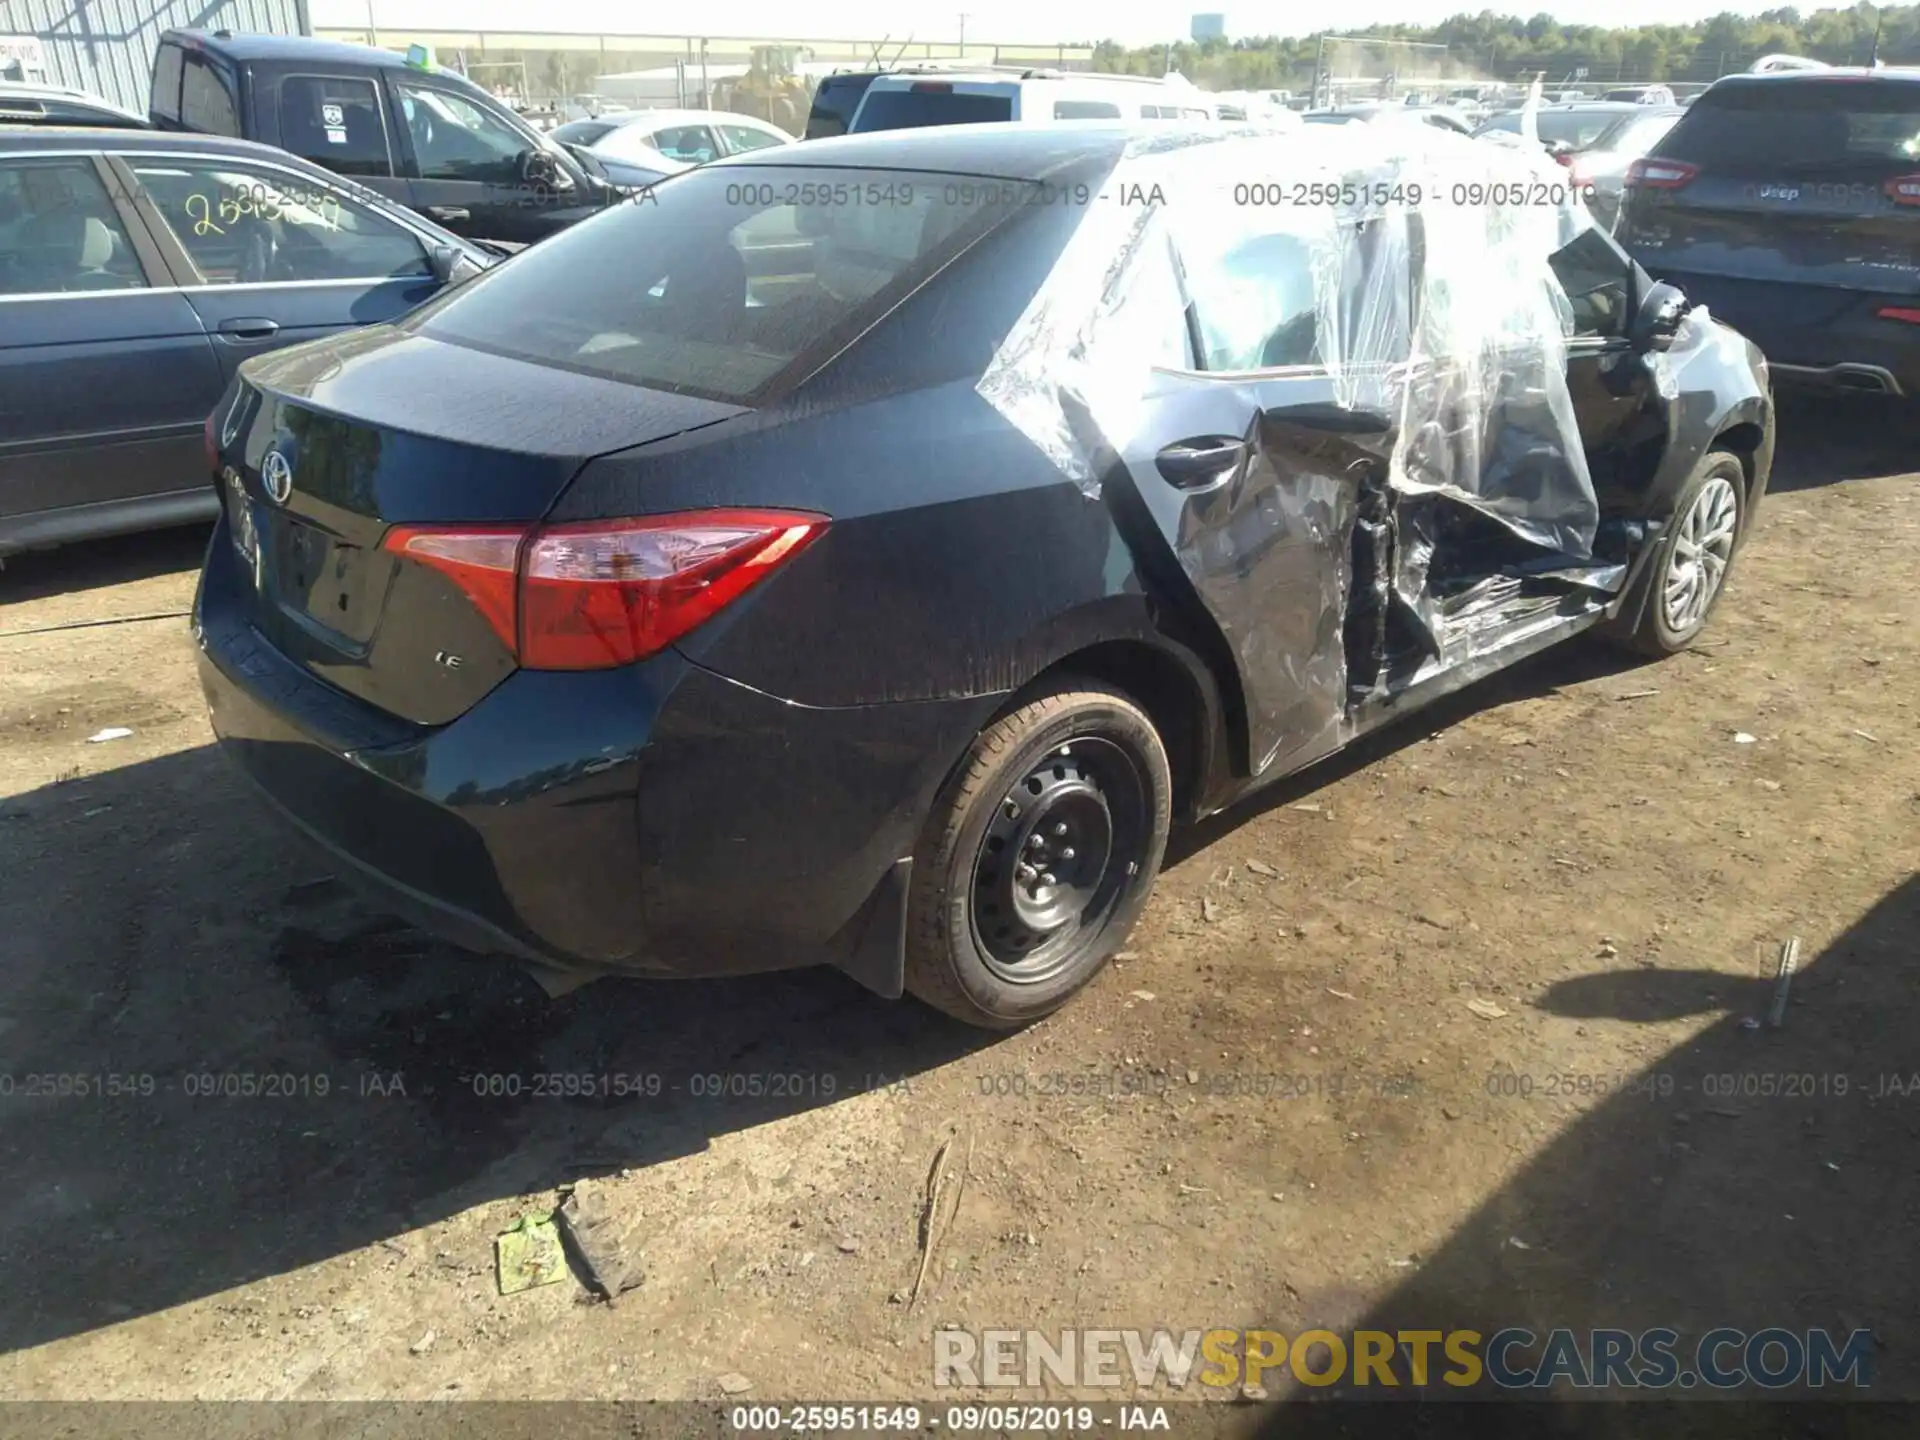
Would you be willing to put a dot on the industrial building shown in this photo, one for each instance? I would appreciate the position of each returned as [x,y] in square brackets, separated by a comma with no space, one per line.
[106,46]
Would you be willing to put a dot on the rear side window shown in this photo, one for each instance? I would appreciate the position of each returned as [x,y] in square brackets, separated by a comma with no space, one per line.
[335,123]
[833,105]
[1639,136]
[1255,303]
[59,233]
[207,101]
[168,63]
[1800,127]
[742,138]
[930,104]
[689,144]
[728,283]
[1085,110]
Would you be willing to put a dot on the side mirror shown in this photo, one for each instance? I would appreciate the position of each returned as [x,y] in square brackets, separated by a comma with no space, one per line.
[1657,320]
[453,266]
[538,167]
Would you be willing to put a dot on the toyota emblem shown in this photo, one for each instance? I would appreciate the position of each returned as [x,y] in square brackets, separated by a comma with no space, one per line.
[276,475]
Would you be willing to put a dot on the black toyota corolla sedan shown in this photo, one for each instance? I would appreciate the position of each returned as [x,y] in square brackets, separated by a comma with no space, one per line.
[859,555]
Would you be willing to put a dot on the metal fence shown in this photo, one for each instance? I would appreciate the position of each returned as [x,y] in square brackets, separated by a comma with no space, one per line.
[542,67]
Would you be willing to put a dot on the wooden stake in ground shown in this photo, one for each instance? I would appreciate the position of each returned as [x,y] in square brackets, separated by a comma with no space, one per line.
[930,1212]
[1783,980]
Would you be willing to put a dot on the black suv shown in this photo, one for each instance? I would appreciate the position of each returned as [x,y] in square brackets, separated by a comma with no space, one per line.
[1789,204]
[424,138]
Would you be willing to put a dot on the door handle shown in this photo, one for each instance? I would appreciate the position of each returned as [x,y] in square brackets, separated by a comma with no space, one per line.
[1192,464]
[250,327]
[449,214]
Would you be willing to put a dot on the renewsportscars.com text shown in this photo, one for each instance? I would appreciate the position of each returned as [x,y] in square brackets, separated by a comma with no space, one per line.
[1725,1358]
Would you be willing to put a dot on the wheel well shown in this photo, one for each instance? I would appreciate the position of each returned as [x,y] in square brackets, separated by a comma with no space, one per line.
[1742,440]
[1164,689]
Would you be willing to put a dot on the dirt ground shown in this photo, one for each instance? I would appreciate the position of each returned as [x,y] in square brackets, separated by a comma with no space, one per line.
[1298,1119]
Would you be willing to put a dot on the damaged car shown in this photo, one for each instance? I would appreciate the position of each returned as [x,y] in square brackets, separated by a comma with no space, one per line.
[862,554]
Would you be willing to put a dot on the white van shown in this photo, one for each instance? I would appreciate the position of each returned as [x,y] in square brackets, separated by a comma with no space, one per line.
[903,102]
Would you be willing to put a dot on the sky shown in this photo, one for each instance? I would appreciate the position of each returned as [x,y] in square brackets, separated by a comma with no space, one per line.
[1132,22]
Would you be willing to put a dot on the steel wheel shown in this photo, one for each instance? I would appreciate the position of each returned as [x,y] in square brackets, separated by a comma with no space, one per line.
[1057,855]
[1702,550]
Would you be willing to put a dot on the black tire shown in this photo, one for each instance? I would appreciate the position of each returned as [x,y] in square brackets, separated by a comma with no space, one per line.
[1657,633]
[979,946]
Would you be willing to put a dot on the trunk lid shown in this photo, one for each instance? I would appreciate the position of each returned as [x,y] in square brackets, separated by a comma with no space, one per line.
[330,445]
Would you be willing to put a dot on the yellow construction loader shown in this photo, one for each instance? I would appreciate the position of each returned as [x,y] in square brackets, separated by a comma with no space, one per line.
[771,90]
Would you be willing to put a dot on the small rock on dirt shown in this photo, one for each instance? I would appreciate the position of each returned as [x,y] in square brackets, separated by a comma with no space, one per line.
[1260,867]
[1486,1009]
[734,1383]
[1210,911]
[422,1345]
[847,1246]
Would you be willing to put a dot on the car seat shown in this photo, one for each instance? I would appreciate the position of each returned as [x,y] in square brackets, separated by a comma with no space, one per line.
[75,251]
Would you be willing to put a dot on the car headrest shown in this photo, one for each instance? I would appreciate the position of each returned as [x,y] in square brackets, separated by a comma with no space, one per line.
[95,249]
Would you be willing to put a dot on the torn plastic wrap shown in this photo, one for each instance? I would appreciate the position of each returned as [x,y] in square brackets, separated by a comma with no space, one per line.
[1401,273]
[1472,368]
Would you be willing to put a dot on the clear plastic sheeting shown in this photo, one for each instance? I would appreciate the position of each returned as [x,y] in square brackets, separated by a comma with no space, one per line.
[1405,265]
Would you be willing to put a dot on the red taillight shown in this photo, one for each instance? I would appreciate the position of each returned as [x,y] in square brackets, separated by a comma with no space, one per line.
[483,562]
[1900,312]
[1904,189]
[1661,174]
[608,592]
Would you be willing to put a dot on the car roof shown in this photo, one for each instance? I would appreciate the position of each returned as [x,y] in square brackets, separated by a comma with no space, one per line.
[1035,76]
[237,46]
[1898,74]
[691,117]
[1012,152]
[35,138]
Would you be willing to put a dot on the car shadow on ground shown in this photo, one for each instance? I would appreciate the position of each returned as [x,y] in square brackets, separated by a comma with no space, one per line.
[364,1079]
[1575,663]
[1751,1177]
[1829,439]
[99,564]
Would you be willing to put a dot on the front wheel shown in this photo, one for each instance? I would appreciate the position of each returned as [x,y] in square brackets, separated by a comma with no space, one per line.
[1038,857]
[1687,574]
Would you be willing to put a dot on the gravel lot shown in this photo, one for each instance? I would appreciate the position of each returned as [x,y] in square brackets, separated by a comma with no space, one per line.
[1311,1126]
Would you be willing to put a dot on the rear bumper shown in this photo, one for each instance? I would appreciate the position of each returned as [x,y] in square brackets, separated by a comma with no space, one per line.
[657,819]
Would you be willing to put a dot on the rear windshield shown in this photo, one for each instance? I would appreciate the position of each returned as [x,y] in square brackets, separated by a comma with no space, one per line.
[834,103]
[1800,126]
[727,282]
[916,109]
[1576,129]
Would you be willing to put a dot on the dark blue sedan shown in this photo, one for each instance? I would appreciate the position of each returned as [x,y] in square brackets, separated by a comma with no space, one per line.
[137,272]
[860,552]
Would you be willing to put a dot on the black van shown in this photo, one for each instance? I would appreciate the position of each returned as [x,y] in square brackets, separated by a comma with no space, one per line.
[425,138]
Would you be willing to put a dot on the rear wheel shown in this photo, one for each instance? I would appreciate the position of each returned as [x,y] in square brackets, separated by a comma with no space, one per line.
[1688,573]
[1038,857]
